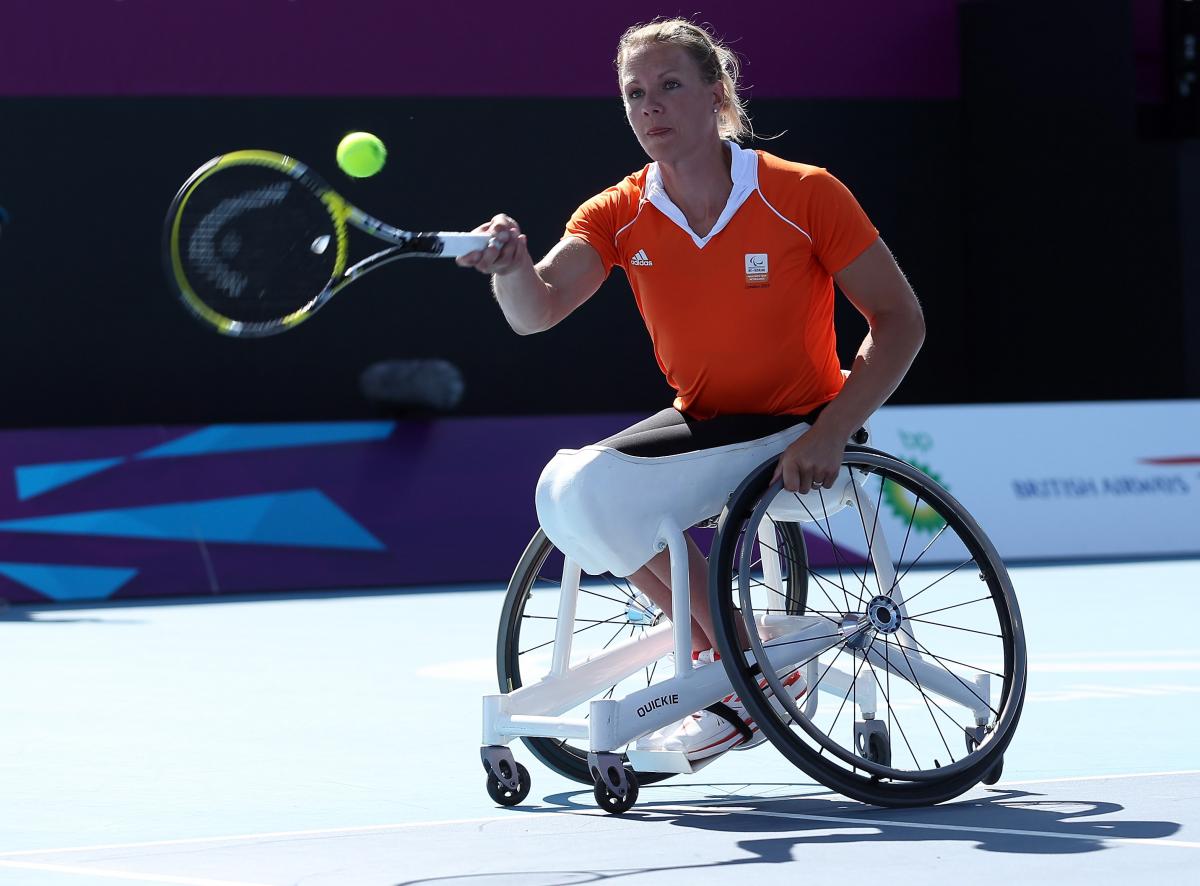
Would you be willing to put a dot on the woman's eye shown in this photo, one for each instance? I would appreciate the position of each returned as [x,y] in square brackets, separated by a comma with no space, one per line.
[635,93]
[670,84]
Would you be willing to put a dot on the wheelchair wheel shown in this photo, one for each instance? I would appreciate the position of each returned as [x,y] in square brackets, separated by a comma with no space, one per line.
[609,609]
[912,644]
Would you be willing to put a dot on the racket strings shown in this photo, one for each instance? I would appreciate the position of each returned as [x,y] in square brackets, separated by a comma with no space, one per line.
[255,245]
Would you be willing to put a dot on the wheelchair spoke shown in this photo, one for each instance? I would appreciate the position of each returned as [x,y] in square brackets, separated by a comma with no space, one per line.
[944,608]
[822,581]
[944,658]
[805,640]
[628,593]
[613,637]
[650,673]
[550,642]
[930,703]
[622,603]
[887,676]
[853,691]
[926,621]
[909,568]
[837,555]
[869,537]
[893,714]
[828,535]
[577,619]
[941,661]
[908,600]
[904,547]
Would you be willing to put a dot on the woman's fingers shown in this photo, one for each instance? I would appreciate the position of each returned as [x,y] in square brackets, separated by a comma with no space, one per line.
[501,249]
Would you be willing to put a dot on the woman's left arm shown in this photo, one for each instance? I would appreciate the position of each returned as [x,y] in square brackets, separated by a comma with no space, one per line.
[875,285]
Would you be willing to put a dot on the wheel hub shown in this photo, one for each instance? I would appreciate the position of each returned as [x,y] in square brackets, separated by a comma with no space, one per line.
[884,614]
[859,629]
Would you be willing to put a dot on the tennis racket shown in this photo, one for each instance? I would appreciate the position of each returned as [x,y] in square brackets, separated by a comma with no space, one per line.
[255,242]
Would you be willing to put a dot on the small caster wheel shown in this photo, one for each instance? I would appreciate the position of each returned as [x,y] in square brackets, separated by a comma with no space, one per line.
[995,772]
[610,802]
[873,743]
[879,749]
[503,795]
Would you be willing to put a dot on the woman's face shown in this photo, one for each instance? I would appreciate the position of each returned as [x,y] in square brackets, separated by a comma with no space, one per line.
[667,103]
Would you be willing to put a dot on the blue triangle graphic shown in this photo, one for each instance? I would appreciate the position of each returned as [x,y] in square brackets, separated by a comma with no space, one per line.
[242,438]
[69,582]
[304,518]
[35,479]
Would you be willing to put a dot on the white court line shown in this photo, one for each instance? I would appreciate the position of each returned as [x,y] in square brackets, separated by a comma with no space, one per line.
[1099,777]
[366,829]
[123,875]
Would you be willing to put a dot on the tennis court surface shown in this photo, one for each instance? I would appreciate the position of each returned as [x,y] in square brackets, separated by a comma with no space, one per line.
[333,739]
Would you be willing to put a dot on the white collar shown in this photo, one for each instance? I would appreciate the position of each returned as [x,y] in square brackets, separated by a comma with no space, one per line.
[743,169]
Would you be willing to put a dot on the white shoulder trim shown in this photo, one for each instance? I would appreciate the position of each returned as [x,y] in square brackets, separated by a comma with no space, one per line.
[641,203]
[781,215]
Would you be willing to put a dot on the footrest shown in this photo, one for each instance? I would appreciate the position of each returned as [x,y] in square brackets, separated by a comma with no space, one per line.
[665,761]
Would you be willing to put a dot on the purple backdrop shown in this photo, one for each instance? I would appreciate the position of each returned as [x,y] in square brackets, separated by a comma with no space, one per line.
[810,48]
[447,501]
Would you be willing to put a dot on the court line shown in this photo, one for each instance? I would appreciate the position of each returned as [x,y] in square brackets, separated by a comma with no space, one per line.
[651,804]
[233,838]
[1100,777]
[123,875]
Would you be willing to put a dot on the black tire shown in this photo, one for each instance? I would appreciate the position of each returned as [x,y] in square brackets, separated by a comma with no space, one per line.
[610,802]
[994,773]
[540,566]
[913,776]
[501,794]
[878,750]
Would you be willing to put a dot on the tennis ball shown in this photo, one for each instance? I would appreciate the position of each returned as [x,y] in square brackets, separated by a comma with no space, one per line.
[361,154]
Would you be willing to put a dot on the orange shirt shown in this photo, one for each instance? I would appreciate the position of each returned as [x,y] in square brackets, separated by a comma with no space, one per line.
[741,319]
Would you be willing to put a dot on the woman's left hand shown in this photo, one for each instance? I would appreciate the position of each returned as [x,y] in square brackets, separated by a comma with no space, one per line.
[813,460]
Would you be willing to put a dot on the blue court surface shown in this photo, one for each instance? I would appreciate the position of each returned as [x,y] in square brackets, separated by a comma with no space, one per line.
[333,739]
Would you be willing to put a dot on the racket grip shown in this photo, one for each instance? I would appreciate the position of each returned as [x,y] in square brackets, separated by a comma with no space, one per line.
[460,244]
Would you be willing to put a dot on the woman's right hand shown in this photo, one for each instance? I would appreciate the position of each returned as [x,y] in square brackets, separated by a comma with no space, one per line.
[507,251]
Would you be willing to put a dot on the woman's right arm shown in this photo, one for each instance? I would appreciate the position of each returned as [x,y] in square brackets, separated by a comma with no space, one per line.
[535,297]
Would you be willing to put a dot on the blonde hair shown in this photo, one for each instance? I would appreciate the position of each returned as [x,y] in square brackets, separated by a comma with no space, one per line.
[717,62]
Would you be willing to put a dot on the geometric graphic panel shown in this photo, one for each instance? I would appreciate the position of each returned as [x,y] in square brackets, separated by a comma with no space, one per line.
[35,479]
[305,518]
[68,582]
[243,438]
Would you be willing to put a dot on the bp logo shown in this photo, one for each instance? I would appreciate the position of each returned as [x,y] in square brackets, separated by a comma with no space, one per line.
[904,504]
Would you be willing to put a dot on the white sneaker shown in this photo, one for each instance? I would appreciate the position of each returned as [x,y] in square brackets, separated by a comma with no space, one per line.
[705,734]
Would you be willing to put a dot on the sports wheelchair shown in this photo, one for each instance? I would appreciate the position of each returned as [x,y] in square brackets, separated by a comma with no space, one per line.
[882,590]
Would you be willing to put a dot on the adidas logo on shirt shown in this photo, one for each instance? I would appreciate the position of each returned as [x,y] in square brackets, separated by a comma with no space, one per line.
[641,259]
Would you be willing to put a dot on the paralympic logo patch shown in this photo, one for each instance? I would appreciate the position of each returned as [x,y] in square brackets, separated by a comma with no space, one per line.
[757,269]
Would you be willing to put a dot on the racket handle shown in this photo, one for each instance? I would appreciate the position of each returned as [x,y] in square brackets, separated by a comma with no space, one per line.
[460,244]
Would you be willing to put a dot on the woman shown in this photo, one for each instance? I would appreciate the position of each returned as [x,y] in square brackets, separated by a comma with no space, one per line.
[732,256]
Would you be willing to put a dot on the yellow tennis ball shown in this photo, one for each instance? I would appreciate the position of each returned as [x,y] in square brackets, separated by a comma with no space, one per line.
[361,154]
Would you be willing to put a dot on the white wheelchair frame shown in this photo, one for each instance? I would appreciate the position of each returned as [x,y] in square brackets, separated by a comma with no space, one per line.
[538,709]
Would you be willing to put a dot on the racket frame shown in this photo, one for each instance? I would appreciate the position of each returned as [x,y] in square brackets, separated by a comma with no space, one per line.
[406,244]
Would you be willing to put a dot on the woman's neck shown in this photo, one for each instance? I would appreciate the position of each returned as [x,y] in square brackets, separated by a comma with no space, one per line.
[699,185]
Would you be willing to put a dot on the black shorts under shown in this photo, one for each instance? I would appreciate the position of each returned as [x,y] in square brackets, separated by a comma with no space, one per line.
[670,432]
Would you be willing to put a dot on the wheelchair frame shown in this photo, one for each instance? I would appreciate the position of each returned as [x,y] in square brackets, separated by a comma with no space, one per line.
[538,709]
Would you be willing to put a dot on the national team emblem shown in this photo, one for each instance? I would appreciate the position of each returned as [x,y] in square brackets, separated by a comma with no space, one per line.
[756,269]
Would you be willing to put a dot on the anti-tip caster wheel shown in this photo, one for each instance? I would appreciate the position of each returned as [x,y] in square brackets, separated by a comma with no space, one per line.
[879,750]
[504,795]
[611,802]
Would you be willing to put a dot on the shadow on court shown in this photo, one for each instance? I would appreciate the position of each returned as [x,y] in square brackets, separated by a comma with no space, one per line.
[1007,821]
